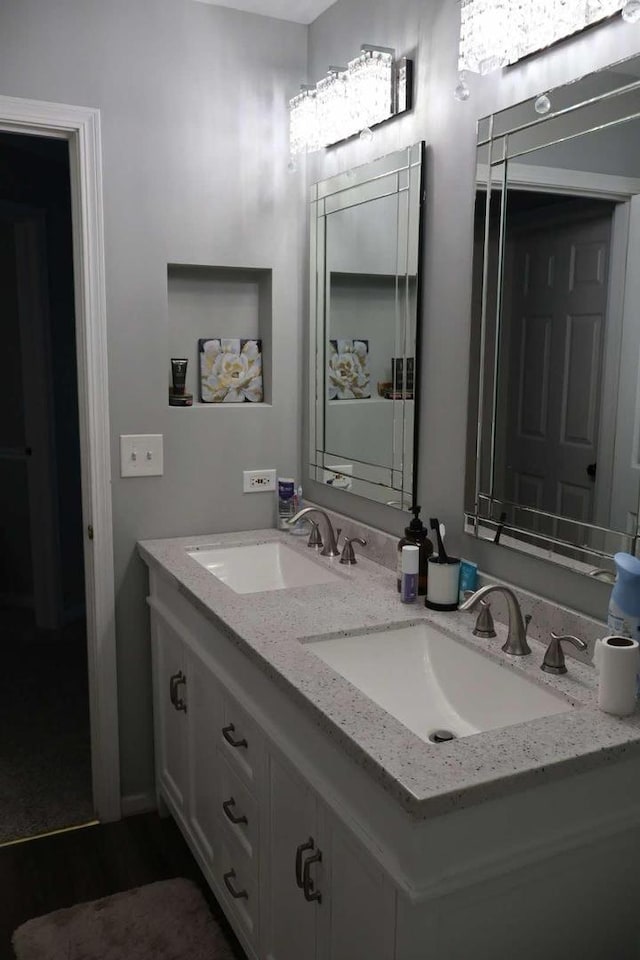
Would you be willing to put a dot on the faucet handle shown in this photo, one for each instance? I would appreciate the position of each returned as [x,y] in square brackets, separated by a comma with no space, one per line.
[348,555]
[554,657]
[315,539]
[484,624]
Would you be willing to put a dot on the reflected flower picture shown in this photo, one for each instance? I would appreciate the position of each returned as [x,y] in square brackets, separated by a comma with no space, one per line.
[348,370]
[230,371]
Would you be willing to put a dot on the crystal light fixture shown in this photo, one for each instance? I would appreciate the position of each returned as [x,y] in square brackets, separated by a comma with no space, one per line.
[496,33]
[372,88]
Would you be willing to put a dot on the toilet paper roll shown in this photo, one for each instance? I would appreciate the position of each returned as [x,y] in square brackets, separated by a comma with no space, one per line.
[617,660]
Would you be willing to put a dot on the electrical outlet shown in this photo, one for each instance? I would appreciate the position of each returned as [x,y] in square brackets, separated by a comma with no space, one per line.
[258,481]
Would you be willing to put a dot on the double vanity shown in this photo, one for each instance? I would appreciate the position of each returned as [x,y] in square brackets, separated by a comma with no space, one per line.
[362,779]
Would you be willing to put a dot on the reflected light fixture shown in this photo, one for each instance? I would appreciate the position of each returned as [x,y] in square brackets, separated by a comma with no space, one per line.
[349,100]
[496,33]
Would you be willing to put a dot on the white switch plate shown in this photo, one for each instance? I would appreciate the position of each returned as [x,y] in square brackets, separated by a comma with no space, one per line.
[141,455]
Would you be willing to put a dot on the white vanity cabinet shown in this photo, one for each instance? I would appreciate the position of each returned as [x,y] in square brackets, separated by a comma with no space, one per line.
[315,857]
[170,714]
[327,898]
[291,840]
[294,881]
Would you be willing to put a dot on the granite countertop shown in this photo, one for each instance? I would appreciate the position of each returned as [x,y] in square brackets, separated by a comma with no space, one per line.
[427,779]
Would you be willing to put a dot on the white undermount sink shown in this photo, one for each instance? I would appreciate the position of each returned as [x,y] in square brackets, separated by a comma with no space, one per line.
[254,567]
[431,682]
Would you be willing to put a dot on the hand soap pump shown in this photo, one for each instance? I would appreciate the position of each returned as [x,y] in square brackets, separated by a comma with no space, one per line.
[624,605]
[416,535]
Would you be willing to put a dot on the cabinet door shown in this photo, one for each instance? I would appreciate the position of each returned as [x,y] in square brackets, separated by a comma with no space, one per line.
[359,920]
[289,921]
[170,717]
[205,718]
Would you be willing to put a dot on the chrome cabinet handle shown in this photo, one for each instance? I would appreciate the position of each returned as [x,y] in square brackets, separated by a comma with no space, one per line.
[236,894]
[307,883]
[299,853]
[174,682]
[230,815]
[226,733]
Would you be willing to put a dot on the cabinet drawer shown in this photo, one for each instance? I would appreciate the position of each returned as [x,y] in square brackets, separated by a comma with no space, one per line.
[240,741]
[238,809]
[236,876]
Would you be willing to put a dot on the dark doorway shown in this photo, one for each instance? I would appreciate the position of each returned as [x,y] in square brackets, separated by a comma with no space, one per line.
[45,753]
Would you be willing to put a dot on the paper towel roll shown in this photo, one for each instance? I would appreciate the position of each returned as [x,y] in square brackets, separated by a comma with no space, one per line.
[618,661]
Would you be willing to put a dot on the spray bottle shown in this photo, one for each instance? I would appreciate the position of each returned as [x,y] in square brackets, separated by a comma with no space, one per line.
[624,605]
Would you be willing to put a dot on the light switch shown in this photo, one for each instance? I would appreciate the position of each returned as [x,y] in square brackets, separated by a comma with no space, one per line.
[141,455]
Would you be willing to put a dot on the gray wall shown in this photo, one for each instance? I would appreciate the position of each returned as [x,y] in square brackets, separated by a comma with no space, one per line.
[428,31]
[193,101]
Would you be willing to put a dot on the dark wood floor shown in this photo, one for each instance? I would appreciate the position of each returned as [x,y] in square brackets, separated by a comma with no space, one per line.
[53,872]
[45,745]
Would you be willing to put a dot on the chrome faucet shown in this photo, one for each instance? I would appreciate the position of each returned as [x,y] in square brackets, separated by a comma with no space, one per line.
[330,548]
[516,643]
[554,657]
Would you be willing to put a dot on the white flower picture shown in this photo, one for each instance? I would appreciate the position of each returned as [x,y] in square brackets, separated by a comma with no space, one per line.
[230,371]
[348,370]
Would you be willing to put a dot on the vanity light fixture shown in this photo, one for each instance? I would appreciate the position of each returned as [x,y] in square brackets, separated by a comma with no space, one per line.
[348,100]
[496,33]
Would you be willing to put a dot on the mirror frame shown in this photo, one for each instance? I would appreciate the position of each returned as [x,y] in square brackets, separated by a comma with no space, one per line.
[326,195]
[501,136]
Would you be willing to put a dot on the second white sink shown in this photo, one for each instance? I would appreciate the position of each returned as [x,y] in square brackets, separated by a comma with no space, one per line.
[431,682]
[262,566]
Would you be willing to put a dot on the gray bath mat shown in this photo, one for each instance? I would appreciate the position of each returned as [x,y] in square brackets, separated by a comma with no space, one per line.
[169,920]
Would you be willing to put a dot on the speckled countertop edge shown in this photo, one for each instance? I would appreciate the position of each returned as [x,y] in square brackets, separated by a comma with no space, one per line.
[426,779]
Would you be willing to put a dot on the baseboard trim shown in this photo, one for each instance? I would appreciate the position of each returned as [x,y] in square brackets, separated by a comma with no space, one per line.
[135,803]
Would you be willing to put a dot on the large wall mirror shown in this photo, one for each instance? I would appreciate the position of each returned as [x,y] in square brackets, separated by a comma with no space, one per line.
[365,295]
[554,441]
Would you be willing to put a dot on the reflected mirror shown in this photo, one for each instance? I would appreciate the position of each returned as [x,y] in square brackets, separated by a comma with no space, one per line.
[554,440]
[365,280]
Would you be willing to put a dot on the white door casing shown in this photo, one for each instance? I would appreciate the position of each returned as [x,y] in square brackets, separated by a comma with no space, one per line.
[80,126]
[625,495]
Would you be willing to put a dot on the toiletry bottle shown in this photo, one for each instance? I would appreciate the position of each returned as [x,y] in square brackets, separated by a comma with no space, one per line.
[416,534]
[468,578]
[286,501]
[624,605]
[410,566]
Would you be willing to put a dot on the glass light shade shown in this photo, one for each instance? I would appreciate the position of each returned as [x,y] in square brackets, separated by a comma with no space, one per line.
[302,122]
[343,103]
[495,33]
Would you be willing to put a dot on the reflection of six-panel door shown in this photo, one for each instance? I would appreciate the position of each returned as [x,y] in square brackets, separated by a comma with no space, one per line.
[294,882]
[553,337]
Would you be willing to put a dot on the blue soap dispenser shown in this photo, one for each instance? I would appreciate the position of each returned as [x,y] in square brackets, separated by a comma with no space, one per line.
[624,605]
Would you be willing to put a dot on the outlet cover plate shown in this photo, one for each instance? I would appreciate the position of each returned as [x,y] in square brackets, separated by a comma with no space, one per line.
[258,481]
[141,455]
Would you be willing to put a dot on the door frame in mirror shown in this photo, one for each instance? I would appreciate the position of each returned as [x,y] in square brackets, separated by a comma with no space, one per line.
[501,137]
[408,164]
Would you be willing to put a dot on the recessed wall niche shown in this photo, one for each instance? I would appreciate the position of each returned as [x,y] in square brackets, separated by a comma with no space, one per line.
[207,301]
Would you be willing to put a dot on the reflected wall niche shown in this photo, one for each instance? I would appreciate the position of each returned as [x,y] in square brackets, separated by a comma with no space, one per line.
[364,311]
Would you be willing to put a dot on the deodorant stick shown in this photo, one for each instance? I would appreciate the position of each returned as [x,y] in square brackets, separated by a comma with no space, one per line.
[409,580]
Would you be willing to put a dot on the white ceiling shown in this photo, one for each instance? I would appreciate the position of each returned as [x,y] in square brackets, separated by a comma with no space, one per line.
[299,11]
